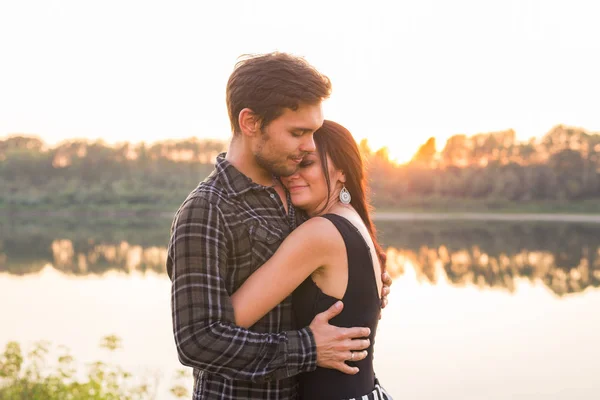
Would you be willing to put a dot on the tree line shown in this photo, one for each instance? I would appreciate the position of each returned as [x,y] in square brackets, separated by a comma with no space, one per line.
[494,168]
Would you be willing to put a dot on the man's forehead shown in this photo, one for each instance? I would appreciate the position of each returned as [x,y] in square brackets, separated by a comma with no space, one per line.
[304,118]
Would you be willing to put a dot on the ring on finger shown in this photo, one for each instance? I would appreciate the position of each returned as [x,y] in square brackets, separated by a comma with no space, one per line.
[351,355]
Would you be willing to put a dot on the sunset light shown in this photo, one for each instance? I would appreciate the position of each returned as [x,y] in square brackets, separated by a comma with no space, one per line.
[401,71]
[146,253]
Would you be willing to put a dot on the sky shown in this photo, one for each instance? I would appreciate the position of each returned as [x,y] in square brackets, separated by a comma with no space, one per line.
[402,71]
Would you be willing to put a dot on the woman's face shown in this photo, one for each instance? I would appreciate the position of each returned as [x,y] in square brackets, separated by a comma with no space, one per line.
[308,187]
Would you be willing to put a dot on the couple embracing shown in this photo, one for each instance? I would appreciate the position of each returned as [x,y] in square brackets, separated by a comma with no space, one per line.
[277,276]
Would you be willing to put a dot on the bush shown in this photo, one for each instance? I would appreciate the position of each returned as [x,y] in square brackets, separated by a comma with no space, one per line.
[33,378]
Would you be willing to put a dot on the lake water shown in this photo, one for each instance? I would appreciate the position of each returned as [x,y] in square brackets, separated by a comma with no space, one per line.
[478,310]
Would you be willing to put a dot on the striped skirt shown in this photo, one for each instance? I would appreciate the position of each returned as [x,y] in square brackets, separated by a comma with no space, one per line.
[378,393]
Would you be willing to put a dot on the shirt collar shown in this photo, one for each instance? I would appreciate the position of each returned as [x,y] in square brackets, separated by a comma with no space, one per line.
[234,182]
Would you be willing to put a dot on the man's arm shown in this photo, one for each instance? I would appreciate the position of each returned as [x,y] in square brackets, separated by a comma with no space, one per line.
[203,321]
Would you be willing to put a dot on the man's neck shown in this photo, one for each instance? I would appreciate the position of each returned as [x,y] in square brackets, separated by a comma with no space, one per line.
[243,160]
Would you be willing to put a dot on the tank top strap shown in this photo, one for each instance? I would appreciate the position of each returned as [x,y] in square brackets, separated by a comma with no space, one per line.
[345,227]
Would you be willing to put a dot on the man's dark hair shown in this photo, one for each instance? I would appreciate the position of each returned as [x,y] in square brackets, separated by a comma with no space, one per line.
[269,83]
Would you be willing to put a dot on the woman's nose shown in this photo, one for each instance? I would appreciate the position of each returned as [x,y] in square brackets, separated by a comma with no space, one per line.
[290,178]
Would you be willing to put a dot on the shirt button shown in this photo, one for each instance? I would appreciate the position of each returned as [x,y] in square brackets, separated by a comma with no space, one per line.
[272,195]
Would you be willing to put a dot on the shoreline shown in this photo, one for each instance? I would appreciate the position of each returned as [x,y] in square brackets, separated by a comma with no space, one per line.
[480,216]
[388,215]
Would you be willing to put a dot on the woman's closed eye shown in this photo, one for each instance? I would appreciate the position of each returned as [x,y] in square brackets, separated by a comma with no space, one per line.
[304,164]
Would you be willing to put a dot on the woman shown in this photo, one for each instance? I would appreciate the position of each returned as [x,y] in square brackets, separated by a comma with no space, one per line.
[332,256]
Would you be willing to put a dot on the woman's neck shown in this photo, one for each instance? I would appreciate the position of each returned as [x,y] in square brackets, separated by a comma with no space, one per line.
[334,207]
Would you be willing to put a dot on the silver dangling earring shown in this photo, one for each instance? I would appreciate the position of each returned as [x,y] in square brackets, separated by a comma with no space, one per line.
[345,197]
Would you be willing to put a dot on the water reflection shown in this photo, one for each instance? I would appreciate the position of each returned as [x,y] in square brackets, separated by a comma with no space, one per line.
[472,266]
[102,257]
[564,257]
[78,245]
[473,344]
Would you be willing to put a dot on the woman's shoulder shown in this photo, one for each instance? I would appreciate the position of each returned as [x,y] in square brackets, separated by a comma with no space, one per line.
[320,231]
[318,239]
[319,226]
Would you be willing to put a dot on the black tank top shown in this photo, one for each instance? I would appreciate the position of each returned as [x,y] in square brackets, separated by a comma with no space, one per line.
[361,309]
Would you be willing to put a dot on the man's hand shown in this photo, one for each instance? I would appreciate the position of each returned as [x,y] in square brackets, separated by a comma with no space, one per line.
[337,345]
[386,279]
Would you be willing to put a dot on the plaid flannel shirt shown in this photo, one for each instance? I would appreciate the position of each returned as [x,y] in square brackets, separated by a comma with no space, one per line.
[225,229]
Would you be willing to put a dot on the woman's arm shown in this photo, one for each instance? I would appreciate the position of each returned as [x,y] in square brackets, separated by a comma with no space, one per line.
[310,246]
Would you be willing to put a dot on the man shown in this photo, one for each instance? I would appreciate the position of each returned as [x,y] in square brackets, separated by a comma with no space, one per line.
[232,223]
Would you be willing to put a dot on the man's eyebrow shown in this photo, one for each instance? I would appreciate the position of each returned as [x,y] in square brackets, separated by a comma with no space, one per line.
[303,130]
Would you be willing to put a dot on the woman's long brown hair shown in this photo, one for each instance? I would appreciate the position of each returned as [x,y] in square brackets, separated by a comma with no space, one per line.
[335,141]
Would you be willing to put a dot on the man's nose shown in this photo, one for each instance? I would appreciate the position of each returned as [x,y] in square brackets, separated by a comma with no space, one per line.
[308,145]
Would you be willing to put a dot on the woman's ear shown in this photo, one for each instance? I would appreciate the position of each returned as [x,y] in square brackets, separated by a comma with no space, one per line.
[249,122]
[342,177]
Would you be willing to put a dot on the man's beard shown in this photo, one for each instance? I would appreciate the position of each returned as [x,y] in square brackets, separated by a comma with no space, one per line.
[277,169]
[273,167]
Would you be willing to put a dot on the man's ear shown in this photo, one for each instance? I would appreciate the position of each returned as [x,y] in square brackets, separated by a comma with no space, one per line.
[249,122]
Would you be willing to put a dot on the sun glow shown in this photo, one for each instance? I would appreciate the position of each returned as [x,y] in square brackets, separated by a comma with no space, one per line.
[401,71]
[399,153]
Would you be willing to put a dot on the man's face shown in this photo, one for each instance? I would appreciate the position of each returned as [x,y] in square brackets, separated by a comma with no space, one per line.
[287,139]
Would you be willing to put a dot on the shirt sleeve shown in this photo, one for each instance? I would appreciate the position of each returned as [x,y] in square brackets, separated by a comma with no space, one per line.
[204,327]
